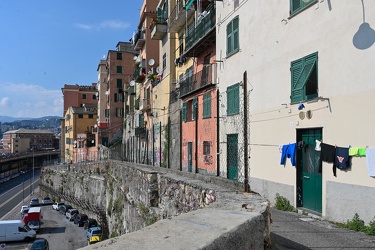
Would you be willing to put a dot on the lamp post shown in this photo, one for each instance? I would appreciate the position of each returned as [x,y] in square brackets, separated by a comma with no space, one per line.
[32,184]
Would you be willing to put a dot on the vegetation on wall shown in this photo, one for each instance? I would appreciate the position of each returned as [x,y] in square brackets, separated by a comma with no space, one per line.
[357,224]
[283,204]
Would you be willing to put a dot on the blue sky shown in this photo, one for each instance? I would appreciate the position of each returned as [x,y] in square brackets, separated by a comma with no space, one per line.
[45,44]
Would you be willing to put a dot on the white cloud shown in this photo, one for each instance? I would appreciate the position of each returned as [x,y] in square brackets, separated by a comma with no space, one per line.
[27,100]
[5,102]
[109,24]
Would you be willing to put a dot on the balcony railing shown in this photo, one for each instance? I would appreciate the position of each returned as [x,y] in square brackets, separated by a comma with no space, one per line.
[177,19]
[203,36]
[200,80]
[139,40]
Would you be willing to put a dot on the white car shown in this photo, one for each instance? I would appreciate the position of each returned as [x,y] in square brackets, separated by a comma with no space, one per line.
[57,205]
[23,208]
[47,201]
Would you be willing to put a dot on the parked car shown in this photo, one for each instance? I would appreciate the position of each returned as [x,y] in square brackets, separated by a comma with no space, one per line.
[80,219]
[90,223]
[69,214]
[23,208]
[93,231]
[64,208]
[57,205]
[40,244]
[93,240]
[47,201]
[34,202]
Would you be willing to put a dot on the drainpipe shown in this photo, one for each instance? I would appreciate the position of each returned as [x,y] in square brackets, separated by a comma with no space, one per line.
[180,140]
[160,143]
[196,137]
[246,153]
[217,133]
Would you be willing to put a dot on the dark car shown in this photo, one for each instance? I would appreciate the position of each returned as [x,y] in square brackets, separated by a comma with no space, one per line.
[80,219]
[40,244]
[90,223]
[64,208]
[34,202]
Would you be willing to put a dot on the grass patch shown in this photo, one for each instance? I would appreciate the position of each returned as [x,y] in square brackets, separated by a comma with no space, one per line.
[357,224]
[283,204]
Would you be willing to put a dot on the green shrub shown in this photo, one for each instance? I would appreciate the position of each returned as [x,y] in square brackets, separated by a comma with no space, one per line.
[283,204]
[356,223]
[370,229]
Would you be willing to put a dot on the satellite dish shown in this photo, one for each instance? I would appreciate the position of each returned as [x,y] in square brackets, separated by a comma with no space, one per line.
[131,83]
[103,56]
[151,62]
[135,58]
[158,70]
[106,92]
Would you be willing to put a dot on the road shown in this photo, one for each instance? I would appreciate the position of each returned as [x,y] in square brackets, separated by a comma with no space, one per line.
[60,233]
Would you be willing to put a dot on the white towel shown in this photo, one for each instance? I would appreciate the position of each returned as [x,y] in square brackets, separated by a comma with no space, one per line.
[370,161]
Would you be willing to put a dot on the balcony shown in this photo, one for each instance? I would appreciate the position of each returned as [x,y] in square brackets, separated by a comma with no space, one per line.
[145,105]
[203,36]
[139,74]
[158,31]
[177,19]
[102,124]
[139,40]
[199,81]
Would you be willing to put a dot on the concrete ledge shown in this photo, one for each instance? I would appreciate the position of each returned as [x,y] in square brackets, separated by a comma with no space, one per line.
[200,229]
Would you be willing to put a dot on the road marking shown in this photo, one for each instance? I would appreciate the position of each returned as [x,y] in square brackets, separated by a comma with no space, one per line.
[16,194]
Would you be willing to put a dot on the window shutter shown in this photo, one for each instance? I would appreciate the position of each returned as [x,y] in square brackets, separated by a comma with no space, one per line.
[229,38]
[141,122]
[194,108]
[297,5]
[229,100]
[300,72]
[119,83]
[115,96]
[236,98]
[184,111]
[207,105]
[235,34]
[160,14]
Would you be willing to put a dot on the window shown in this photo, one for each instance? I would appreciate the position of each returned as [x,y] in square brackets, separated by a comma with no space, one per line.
[94,97]
[106,112]
[119,83]
[206,148]
[84,96]
[119,69]
[207,105]
[119,56]
[91,116]
[304,78]
[80,115]
[233,99]
[232,36]
[164,61]
[298,5]
[189,110]
[119,112]
[68,141]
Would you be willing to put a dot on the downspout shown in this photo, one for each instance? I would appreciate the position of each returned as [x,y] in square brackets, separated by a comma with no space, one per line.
[196,137]
[246,153]
[217,134]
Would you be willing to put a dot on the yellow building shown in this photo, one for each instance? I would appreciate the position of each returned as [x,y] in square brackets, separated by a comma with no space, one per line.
[80,143]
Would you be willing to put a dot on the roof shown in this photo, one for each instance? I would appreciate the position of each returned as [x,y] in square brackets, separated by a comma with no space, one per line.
[28,131]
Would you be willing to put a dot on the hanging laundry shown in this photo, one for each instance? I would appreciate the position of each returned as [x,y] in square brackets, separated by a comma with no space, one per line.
[327,154]
[357,151]
[317,146]
[288,151]
[370,161]
[341,159]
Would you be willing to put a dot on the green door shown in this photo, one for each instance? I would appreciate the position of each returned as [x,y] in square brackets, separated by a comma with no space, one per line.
[190,157]
[232,157]
[311,179]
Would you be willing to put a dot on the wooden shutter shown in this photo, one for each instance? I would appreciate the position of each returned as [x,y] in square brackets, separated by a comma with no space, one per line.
[298,5]
[235,34]
[229,38]
[194,108]
[184,111]
[230,100]
[207,105]
[119,83]
[236,98]
[160,14]
[115,97]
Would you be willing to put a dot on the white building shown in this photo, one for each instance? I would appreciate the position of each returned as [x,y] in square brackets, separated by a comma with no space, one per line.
[315,53]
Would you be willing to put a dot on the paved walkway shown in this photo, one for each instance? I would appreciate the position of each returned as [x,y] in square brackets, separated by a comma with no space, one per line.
[295,231]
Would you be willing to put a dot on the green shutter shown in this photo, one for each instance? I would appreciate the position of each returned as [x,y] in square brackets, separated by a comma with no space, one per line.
[233,99]
[119,83]
[300,72]
[194,108]
[184,111]
[207,105]
[160,14]
[115,96]
[119,69]
[298,5]
[229,38]
[235,34]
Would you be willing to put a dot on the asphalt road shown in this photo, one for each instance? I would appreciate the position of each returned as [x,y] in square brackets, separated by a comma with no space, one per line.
[295,231]
[60,233]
